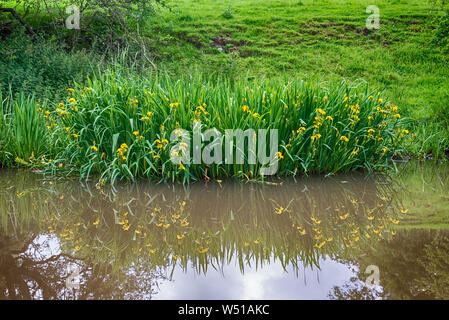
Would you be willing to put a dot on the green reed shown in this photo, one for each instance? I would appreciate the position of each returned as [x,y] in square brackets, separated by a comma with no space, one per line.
[4,130]
[119,126]
[320,130]
[24,135]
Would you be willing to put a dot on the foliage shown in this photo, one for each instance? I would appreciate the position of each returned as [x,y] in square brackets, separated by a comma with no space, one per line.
[23,129]
[5,129]
[119,126]
[29,131]
[428,140]
[115,9]
[39,67]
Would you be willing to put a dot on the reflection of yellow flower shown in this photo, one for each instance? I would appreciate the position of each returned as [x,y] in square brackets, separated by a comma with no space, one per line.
[184,223]
[395,221]
[343,217]
[317,221]
[279,210]
[203,250]
[319,245]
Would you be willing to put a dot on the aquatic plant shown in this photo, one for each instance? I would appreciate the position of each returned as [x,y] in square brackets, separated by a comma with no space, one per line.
[119,126]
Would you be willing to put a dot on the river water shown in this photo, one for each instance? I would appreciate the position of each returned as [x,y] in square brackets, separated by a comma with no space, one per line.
[347,236]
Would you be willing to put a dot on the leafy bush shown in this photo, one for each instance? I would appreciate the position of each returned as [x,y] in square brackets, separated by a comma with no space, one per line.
[39,67]
[115,9]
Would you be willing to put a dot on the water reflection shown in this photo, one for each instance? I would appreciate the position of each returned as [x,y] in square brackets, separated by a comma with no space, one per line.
[308,239]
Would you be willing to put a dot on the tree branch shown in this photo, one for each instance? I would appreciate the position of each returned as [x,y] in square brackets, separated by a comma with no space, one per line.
[19,18]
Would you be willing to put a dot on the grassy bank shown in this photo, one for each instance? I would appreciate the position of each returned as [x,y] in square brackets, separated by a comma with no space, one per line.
[324,40]
[236,47]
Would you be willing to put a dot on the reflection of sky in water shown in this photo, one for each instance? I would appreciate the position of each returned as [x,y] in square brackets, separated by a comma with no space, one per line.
[48,244]
[267,282]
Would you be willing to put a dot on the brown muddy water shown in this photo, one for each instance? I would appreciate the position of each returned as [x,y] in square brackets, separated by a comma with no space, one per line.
[341,237]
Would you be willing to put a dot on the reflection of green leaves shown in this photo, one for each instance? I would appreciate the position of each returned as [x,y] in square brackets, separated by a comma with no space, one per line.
[436,263]
[413,265]
[424,189]
[161,225]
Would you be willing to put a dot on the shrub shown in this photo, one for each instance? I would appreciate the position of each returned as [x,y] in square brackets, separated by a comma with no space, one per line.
[115,9]
[39,67]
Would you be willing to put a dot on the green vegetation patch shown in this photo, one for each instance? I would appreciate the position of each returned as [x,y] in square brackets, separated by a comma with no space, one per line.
[120,126]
